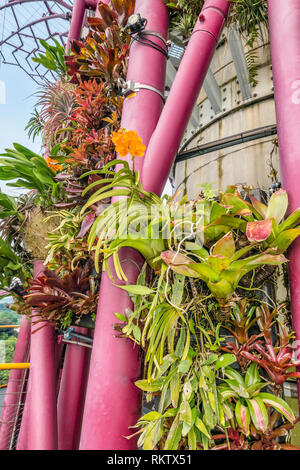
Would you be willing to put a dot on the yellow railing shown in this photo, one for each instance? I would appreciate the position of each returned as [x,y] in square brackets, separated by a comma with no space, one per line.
[9,326]
[15,365]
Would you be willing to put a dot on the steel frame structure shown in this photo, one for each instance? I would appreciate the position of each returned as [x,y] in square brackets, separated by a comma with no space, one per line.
[48,19]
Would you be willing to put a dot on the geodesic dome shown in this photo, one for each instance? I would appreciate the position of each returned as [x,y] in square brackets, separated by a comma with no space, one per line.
[23,23]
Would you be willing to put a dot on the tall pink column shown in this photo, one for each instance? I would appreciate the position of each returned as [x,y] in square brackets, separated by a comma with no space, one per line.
[42,426]
[78,13]
[284,23]
[14,387]
[113,402]
[184,92]
[71,394]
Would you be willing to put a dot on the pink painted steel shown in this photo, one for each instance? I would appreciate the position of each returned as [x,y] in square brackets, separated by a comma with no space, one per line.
[78,13]
[42,427]
[284,23]
[72,393]
[22,442]
[112,400]
[184,92]
[14,388]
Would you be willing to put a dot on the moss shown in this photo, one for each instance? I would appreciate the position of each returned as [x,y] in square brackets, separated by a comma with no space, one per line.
[36,231]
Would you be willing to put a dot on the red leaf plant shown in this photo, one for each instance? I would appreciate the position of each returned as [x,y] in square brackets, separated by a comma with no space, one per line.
[56,299]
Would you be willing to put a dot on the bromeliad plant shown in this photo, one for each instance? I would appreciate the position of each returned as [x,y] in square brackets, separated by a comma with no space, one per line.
[62,301]
[213,392]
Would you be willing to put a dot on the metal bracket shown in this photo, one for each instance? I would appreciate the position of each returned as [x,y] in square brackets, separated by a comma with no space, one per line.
[71,333]
[130,87]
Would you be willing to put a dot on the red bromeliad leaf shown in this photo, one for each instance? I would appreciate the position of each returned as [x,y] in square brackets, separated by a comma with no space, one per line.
[259,206]
[179,263]
[86,224]
[259,231]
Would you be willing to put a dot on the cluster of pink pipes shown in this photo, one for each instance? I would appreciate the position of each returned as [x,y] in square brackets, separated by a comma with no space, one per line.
[96,401]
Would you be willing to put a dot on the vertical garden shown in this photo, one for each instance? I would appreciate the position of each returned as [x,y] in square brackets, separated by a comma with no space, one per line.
[216,347]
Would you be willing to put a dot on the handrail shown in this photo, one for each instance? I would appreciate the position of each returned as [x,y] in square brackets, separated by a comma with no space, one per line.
[15,365]
[9,326]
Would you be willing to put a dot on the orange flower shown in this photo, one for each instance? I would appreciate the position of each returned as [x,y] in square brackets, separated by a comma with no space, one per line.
[128,142]
[53,165]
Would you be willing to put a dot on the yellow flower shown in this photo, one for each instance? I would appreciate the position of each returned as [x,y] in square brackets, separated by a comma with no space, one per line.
[128,142]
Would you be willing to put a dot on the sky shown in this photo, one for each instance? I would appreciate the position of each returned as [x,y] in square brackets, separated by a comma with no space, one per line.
[15,112]
[16,105]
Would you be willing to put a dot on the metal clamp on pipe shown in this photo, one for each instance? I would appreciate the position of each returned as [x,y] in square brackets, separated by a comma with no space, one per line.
[130,87]
[71,333]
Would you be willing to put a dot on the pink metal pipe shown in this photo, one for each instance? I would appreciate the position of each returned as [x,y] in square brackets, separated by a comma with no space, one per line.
[113,402]
[184,92]
[78,13]
[284,24]
[42,426]
[22,442]
[13,390]
[71,394]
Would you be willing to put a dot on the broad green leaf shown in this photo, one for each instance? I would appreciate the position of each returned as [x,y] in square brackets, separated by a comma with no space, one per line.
[238,388]
[234,375]
[136,289]
[226,392]
[146,386]
[192,439]
[258,413]
[152,435]
[277,206]
[197,249]
[185,413]
[151,416]
[278,404]
[252,375]
[201,426]
[184,366]
[259,207]
[225,360]
[242,415]
[174,435]
[285,238]
[291,221]
[225,246]
[236,202]
[121,317]
[177,289]
[222,289]
[175,389]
